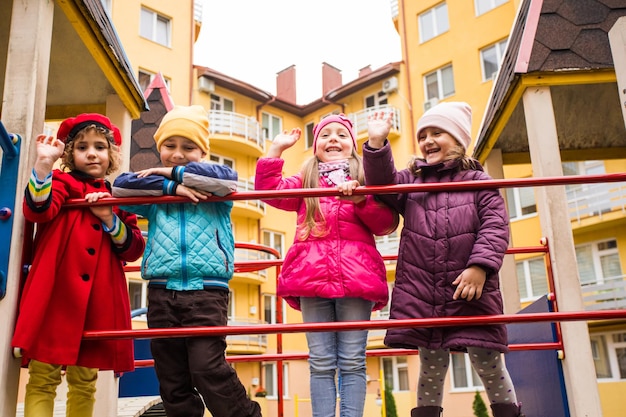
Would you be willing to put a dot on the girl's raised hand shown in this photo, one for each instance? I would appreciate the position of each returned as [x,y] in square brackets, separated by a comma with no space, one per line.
[49,148]
[284,141]
[378,126]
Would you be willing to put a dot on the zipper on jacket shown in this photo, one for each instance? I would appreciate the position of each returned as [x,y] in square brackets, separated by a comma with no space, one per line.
[219,245]
[183,245]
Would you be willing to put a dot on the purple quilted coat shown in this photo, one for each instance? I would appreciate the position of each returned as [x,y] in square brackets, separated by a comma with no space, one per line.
[443,234]
[344,262]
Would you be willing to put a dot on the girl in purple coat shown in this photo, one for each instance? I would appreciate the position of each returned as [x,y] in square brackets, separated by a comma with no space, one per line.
[332,271]
[451,249]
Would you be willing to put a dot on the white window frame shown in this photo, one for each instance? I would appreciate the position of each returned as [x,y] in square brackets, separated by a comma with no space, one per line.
[440,75]
[276,240]
[431,18]
[272,390]
[483,6]
[222,160]
[231,306]
[222,103]
[308,134]
[143,295]
[596,258]
[268,127]
[151,21]
[377,100]
[525,278]
[514,203]
[611,347]
[397,367]
[470,375]
[151,76]
[499,48]
[271,299]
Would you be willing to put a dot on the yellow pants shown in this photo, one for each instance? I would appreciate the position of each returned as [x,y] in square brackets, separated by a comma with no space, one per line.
[42,385]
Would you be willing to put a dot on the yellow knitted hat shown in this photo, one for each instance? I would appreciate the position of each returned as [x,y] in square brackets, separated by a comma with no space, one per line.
[190,122]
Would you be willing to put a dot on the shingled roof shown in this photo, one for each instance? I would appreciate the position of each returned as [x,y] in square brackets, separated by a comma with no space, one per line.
[563,44]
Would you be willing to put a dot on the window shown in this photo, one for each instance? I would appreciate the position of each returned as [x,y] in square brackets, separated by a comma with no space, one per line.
[520,202]
[376,100]
[145,78]
[308,132]
[532,279]
[269,309]
[271,379]
[396,373]
[155,27]
[483,6]
[440,83]
[491,58]
[271,125]
[433,22]
[231,305]
[138,293]
[222,160]
[598,262]
[221,103]
[463,375]
[609,355]
[274,240]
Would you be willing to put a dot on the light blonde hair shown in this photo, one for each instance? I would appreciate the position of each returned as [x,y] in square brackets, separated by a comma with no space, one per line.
[115,157]
[314,223]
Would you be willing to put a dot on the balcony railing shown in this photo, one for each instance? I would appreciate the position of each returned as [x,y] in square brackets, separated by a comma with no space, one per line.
[596,199]
[251,341]
[609,295]
[236,125]
[359,119]
[246,185]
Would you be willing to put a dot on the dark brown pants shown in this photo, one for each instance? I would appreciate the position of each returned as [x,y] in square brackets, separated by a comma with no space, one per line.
[193,371]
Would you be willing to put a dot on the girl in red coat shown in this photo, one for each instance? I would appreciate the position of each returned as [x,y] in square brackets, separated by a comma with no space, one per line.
[76,281]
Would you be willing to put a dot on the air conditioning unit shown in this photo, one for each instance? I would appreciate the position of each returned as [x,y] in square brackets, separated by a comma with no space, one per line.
[390,85]
[430,103]
[205,85]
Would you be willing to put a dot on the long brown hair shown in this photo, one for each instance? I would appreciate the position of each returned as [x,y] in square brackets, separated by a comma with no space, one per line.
[314,223]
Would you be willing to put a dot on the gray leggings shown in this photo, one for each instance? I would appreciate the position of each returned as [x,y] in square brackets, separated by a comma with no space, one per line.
[488,364]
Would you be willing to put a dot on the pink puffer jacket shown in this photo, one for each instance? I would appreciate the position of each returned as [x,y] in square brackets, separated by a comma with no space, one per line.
[342,263]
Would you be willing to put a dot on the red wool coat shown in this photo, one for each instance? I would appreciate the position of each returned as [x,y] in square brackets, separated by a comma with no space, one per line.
[76,281]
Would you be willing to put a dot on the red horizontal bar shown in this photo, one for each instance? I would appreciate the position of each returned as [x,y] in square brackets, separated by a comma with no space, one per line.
[356,325]
[375,353]
[382,189]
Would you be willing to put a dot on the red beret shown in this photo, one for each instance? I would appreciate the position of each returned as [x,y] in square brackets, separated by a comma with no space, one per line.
[71,126]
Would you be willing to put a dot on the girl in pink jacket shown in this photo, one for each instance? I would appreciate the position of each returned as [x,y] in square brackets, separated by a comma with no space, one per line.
[332,271]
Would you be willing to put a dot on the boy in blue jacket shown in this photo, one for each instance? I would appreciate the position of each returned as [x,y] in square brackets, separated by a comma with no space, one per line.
[189,260]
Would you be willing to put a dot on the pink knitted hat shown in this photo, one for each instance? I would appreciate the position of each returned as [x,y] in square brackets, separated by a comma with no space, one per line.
[334,118]
[454,117]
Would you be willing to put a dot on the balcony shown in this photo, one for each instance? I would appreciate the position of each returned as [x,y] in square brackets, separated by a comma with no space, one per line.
[248,208]
[256,277]
[359,120]
[592,200]
[608,295]
[231,129]
[245,343]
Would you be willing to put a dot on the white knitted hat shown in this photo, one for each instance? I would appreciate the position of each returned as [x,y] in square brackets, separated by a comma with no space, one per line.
[454,117]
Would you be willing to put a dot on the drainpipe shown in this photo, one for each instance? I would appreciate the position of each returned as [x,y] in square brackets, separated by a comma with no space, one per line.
[408,81]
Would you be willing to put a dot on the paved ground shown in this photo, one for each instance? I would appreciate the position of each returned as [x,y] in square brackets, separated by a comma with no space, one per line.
[126,407]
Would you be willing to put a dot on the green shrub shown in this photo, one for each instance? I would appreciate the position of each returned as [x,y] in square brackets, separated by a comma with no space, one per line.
[479,407]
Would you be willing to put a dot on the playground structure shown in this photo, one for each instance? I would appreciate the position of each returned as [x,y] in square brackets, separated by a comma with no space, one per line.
[543,311]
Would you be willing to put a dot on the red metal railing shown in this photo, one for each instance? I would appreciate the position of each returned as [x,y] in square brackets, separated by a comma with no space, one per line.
[279,329]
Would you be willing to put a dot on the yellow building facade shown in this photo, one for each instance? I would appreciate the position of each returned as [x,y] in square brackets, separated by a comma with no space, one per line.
[451,50]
